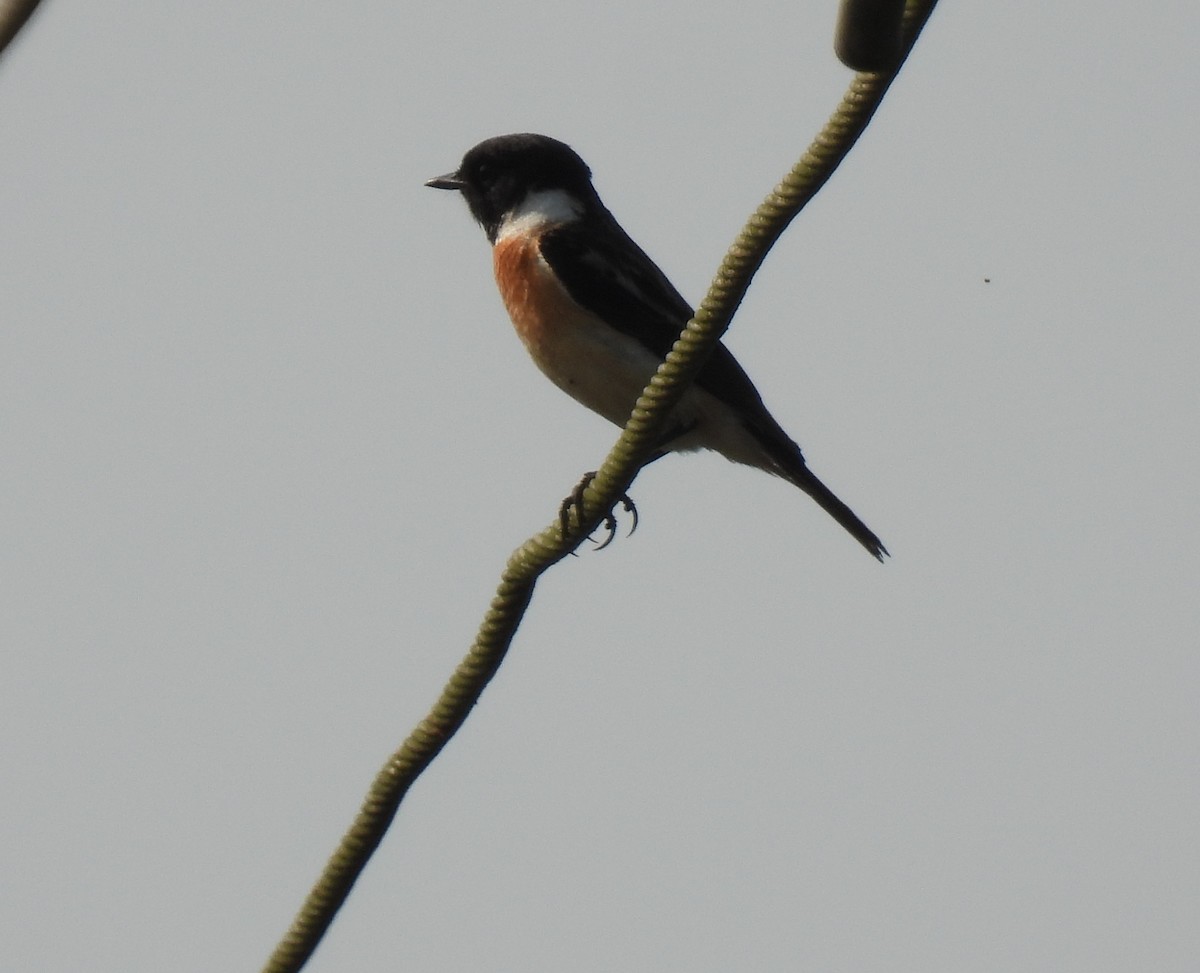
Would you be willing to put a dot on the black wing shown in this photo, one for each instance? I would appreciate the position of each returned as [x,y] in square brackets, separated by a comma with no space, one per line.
[606,272]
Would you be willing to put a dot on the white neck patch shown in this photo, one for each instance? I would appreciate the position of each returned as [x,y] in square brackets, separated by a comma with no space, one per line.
[539,208]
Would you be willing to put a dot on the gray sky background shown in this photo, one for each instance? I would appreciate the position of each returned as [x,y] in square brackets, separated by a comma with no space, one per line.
[268,439]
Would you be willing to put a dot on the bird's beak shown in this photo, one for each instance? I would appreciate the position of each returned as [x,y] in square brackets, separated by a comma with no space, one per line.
[449,181]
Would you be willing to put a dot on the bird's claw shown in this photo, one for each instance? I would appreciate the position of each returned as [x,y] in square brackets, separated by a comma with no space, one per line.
[574,501]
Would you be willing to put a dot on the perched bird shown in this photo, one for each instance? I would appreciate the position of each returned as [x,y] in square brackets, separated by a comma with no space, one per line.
[597,315]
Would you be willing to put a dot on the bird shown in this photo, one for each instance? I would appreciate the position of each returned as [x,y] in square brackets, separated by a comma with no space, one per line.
[598,316]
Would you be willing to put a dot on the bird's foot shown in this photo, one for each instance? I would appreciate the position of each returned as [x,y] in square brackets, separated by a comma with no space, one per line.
[574,501]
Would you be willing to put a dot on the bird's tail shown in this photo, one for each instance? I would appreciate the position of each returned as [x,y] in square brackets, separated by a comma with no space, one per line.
[829,502]
[787,461]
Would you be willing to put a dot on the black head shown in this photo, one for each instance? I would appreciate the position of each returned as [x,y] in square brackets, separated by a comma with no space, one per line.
[497,175]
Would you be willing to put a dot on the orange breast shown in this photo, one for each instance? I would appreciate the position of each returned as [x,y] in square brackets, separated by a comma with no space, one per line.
[590,361]
[536,302]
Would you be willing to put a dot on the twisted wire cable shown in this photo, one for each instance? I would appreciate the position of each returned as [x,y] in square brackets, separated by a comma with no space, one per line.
[527,563]
[13,16]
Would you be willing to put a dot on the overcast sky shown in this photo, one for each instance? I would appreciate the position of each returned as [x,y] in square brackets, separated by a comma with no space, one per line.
[267,440]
